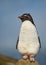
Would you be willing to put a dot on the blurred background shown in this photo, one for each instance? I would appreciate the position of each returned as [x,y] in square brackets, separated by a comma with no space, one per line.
[10,25]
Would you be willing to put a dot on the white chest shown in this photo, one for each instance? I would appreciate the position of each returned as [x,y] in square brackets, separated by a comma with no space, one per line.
[28,33]
[28,36]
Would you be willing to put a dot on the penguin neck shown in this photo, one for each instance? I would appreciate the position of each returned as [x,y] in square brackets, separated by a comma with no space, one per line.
[28,22]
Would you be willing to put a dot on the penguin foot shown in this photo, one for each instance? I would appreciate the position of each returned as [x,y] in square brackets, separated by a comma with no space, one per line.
[25,57]
[32,59]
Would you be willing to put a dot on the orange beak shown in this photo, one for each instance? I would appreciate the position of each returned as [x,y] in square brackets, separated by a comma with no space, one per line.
[20,17]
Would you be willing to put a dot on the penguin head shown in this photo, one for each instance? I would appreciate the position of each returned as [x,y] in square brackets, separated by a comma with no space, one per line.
[26,16]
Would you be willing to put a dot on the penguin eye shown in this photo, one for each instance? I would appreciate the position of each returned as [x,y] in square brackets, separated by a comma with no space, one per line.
[25,15]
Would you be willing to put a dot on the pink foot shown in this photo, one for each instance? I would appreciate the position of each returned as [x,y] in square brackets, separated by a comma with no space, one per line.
[32,59]
[25,57]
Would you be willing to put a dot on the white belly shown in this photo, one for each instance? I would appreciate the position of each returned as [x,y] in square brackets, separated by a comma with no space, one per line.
[28,39]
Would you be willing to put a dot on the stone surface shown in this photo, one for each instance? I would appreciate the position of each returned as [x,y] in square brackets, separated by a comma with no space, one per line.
[4,60]
[26,62]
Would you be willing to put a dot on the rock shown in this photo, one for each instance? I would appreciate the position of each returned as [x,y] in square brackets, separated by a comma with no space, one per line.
[5,60]
[10,63]
[26,62]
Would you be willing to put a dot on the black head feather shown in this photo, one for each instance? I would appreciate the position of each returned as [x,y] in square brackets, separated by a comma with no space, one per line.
[26,16]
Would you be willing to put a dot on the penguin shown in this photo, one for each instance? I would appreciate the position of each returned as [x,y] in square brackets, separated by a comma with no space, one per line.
[28,42]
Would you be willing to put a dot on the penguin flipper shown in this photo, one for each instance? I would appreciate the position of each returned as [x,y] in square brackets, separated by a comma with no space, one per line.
[39,41]
[17,42]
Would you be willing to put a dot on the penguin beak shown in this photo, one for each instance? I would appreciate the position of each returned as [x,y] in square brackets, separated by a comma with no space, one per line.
[20,17]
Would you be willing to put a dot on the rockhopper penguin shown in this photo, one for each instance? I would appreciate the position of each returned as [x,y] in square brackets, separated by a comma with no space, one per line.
[28,43]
